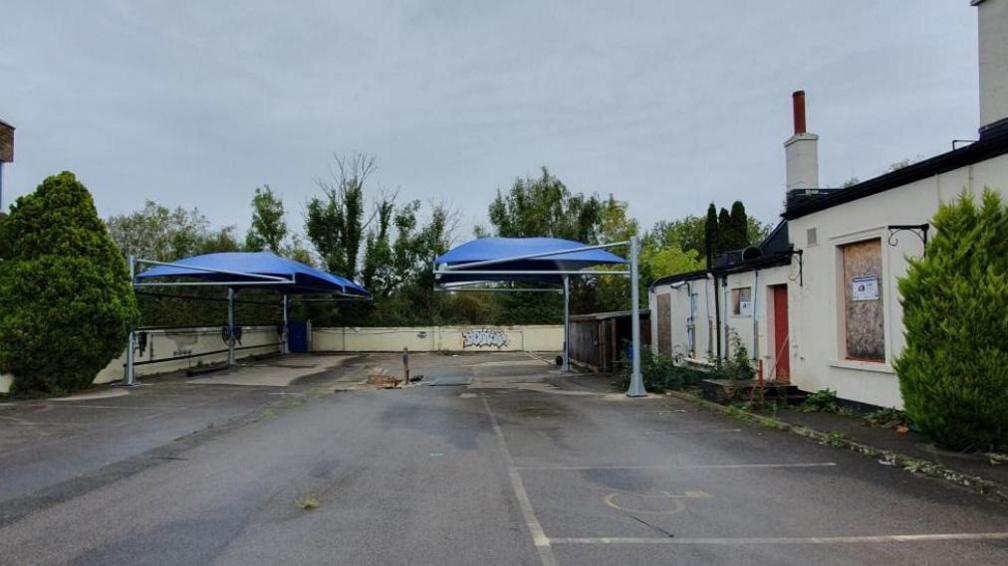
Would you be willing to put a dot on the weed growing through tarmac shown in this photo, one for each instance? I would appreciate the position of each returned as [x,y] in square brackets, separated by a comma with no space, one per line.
[308,503]
[836,439]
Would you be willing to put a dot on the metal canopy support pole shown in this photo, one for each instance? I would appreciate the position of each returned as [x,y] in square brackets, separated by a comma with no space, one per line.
[130,346]
[129,378]
[636,380]
[231,327]
[285,348]
[566,344]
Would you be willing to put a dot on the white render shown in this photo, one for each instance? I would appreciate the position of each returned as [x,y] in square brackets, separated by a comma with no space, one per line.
[992,18]
[815,307]
[802,154]
[758,324]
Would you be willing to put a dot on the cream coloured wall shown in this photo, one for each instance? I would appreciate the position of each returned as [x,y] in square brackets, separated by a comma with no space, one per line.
[817,354]
[171,343]
[530,338]
[703,315]
[742,325]
[756,330]
[184,341]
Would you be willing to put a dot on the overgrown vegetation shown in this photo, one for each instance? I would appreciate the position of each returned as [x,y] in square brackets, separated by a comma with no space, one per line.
[822,401]
[66,304]
[953,371]
[886,418]
[660,372]
[738,366]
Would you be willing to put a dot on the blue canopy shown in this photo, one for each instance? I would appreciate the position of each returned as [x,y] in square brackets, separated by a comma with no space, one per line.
[488,249]
[246,266]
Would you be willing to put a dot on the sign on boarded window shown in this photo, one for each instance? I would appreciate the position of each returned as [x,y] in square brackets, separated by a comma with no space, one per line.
[863,308]
[742,301]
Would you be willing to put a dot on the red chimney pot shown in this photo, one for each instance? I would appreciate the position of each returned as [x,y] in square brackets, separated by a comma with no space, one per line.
[798,102]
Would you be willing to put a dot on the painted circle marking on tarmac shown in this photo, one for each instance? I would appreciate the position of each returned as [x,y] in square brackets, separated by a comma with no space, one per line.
[653,504]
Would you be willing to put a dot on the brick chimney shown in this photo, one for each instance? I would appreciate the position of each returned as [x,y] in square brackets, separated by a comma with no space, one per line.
[802,150]
[992,28]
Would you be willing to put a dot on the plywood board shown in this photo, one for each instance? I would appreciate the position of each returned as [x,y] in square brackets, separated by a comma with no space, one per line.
[863,301]
[664,341]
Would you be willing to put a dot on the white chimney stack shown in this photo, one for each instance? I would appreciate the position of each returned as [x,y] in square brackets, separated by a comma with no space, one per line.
[802,150]
[992,27]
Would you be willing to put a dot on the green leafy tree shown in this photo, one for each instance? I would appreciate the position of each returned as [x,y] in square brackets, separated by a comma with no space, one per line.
[756,231]
[159,233]
[268,229]
[335,223]
[220,240]
[738,227]
[544,206]
[725,239]
[687,234]
[711,232]
[953,371]
[727,231]
[66,303]
[377,275]
[612,293]
[296,250]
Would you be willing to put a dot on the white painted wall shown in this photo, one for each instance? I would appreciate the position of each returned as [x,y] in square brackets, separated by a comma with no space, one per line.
[703,314]
[704,309]
[183,341]
[530,338]
[756,329]
[815,308]
[992,18]
[801,153]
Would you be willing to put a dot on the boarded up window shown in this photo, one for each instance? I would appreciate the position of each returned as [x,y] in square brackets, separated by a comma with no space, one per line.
[741,301]
[863,308]
[665,324]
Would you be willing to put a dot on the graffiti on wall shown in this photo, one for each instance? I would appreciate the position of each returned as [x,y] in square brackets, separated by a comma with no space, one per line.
[484,338]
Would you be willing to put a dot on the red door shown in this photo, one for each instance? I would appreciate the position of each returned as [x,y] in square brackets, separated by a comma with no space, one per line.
[782,357]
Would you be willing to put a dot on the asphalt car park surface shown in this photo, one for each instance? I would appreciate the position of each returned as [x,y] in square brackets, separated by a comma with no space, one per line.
[520,466]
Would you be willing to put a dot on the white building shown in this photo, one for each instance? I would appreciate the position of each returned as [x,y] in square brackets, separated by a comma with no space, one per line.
[823,310]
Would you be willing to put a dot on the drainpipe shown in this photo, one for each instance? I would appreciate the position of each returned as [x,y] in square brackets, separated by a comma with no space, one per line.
[727,327]
[691,322]
[706,290]
[755,325]
[717,315]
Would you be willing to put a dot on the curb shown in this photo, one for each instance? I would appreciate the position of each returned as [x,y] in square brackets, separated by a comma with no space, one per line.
[910,464]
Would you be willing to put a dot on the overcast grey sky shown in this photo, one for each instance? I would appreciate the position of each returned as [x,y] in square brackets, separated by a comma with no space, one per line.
[668,104]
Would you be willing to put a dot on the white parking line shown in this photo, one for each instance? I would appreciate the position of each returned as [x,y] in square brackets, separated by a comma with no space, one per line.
[870,539]
[539,539]
[684,467]
[689,431]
